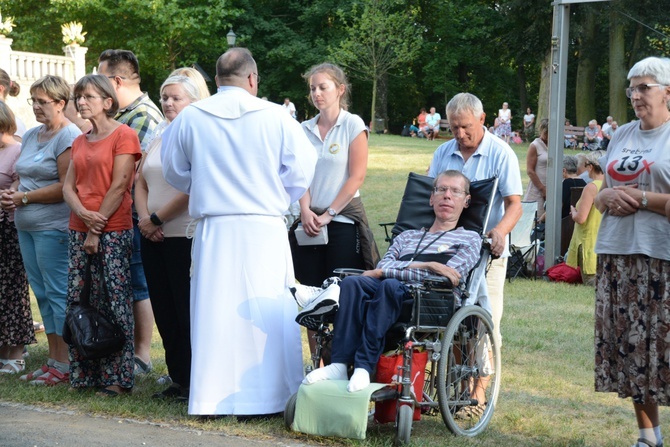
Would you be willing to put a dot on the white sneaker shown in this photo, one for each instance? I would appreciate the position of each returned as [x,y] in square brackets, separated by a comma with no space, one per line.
[326,303]
[305,294]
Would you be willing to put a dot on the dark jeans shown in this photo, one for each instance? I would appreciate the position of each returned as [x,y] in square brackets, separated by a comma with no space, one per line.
[167,268]
[368,308]
[314,263]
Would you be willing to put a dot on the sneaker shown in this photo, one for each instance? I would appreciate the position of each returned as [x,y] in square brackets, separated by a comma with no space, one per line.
[305,294]
[326,303]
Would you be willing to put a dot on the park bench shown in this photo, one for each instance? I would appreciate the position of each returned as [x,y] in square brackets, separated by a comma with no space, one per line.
[577,132]
[445,129]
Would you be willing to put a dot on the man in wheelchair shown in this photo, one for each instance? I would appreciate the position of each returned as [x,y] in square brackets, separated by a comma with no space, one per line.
[370,304]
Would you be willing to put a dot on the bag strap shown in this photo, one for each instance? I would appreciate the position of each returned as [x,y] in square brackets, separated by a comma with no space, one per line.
[84,297]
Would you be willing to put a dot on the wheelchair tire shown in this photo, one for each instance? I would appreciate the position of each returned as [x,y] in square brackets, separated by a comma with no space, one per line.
[404,424]
[289,411]
[470,354]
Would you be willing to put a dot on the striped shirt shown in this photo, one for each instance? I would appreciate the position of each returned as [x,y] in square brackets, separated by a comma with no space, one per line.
[458,249]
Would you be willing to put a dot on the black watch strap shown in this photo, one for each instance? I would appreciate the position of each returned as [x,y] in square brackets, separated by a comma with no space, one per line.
[155,220]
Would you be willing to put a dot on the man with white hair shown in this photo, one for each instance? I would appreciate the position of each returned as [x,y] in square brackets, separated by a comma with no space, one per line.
[480,155]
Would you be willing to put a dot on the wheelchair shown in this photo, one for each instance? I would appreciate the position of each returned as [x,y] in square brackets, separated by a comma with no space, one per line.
[457,334]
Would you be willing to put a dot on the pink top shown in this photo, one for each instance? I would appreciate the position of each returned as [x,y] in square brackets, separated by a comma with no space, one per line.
[8,156]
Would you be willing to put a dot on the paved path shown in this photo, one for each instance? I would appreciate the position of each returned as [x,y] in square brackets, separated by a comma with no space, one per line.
[28,426]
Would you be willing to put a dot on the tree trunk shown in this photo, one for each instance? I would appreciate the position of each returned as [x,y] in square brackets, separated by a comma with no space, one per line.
[542,111]
[382,100]
[585,100]
[618,101]
[523,94]
[374,102]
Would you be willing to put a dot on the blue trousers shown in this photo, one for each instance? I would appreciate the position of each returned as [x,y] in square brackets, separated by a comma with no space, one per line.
[368,308]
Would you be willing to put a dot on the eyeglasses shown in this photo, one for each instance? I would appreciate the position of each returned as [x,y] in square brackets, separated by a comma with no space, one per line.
[39,102]
[86,98]
[258,77]
[641,89]
[442,190]
[115,76]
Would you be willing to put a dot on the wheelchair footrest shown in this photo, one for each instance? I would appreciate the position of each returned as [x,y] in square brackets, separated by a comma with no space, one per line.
[389,392]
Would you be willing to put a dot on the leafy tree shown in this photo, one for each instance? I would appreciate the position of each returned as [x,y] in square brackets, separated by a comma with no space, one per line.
[382,36]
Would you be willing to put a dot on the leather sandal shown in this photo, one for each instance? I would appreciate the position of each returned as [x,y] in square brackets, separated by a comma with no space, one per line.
[52,377]
[15,366]
[35,374]
[643,442]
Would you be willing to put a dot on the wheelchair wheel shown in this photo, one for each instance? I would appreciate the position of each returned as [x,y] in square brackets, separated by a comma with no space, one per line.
[404,424]
[289,411]
[469,365]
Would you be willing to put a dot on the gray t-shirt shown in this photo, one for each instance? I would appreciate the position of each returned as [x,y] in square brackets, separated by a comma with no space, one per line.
[641,157]
[37,167]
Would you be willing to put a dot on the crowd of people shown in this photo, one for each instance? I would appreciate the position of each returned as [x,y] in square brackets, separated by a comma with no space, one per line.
[146,200]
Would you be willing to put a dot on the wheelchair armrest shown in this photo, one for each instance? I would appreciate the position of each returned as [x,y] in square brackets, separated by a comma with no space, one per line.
[389,237]
[344,272]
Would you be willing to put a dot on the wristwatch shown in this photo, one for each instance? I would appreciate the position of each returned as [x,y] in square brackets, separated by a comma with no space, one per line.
[155,220]
[332,212]
[25,198]
[644,201]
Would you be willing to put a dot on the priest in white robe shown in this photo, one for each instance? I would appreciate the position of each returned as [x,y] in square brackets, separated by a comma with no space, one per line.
[243,161]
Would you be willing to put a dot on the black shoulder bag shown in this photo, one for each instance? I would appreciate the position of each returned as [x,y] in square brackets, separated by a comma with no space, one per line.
[93,335]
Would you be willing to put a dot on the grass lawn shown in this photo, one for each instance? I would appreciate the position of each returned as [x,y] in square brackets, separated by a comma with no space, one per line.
[547,396]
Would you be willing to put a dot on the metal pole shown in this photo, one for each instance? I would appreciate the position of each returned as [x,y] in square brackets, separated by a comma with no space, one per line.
[559,72]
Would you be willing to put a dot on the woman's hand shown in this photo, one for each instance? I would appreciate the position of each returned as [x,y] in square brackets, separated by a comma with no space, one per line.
[95,221]
[311,223]
[573,212]
[147,227]
[156,236]
[622,200]
[91,243]
[7,199]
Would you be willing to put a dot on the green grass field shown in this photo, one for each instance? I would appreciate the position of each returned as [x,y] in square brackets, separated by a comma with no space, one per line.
[547,396]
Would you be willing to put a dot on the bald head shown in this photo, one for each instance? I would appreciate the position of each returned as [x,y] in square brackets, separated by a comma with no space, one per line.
[236,67]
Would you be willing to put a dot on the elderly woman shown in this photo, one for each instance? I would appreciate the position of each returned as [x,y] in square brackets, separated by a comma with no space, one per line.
[536,167]
[166,251]
[632,295]
[570,180]
[97,189]
[587,221]
[42,216]
[16,327]
[504,128]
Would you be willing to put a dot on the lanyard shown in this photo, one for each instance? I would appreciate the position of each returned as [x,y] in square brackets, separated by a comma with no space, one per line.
[424,248]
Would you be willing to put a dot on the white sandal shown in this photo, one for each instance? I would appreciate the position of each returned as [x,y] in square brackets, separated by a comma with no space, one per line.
[16,366]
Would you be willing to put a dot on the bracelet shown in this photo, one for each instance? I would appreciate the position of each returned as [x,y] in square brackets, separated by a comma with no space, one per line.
[155,220]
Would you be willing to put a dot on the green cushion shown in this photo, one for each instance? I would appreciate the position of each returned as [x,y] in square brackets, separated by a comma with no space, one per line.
[326,408]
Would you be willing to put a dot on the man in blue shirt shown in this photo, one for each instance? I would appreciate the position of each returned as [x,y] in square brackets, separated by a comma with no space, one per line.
[480,155]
